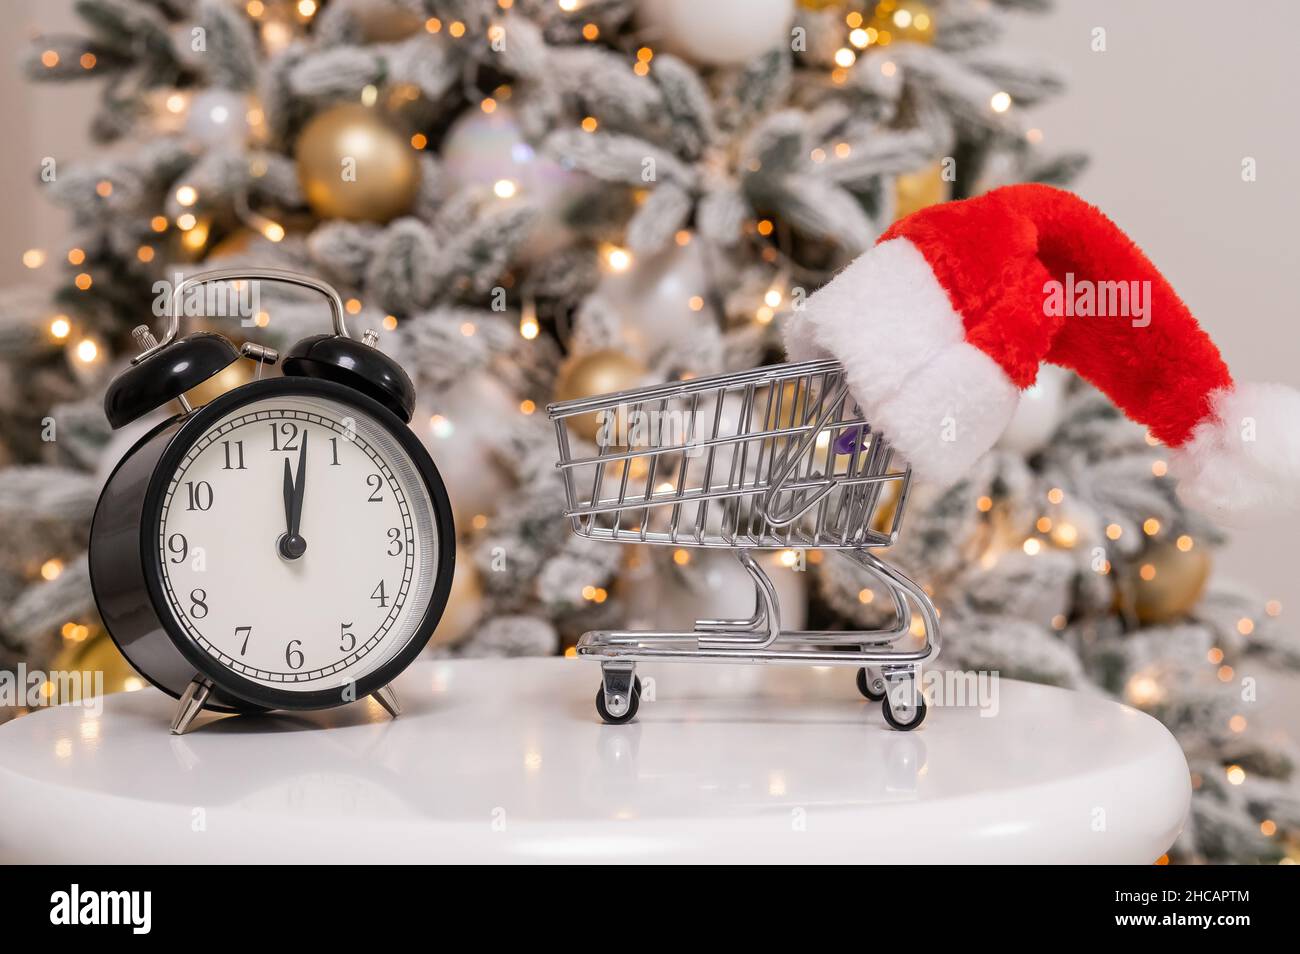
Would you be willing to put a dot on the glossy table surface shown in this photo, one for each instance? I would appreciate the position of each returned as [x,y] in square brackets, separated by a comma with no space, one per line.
[506,760]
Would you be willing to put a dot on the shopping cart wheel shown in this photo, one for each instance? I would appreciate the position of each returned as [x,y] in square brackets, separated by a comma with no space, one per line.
[634,703]
[871,684]
[904,717]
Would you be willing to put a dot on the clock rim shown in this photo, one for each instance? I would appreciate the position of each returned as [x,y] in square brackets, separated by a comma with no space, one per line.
[232,683]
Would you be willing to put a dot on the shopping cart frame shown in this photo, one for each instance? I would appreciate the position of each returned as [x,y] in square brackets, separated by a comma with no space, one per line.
[817,481]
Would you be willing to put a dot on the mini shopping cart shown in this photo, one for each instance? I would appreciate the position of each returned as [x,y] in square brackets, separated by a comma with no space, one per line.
[778,457]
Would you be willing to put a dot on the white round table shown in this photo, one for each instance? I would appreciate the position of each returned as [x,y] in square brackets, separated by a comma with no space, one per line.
[506,760]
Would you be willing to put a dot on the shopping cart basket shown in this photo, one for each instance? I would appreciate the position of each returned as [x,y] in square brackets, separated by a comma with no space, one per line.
[778,457]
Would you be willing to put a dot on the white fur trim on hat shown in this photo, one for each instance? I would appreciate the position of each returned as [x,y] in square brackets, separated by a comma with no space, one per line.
[1244,462]
[940,401]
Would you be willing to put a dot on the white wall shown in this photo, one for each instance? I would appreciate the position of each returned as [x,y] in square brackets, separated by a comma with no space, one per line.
[1184,91]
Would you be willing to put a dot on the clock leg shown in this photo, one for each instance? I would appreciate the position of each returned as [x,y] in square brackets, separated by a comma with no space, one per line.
[387,698]
[192,699]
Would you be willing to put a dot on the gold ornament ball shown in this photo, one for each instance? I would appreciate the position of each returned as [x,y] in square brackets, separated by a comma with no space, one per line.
[354,166]
[227,379]
[599,372]
[909,21]
[97,653]
[916,190]
[236,243]
[1176,586]
[385,21]
[464,605]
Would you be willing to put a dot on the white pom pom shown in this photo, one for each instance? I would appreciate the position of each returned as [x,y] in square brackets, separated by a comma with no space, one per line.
[1244,464]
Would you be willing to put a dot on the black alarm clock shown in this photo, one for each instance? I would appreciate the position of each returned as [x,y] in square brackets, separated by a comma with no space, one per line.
[288,545]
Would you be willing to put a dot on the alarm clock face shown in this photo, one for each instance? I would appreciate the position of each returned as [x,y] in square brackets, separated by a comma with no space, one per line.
[299,542]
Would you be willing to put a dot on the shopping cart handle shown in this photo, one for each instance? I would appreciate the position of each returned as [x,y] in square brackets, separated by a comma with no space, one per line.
[791,461]
[807,505]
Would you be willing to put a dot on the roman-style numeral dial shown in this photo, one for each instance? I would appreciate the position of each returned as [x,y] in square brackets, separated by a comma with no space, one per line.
[297,543]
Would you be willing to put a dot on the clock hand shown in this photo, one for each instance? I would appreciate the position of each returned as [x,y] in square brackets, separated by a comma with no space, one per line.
[299,486]
[291,545]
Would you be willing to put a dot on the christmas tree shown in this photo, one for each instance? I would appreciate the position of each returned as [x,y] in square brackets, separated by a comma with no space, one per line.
[534,200]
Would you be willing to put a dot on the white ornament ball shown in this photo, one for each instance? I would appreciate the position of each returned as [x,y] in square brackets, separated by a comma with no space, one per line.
[462,429]
[489,151]
[1038,413]
[713,585]
[218,116]
[717,32]
[653,299]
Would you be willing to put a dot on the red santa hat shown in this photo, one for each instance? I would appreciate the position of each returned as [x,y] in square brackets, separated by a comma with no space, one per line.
[945,321]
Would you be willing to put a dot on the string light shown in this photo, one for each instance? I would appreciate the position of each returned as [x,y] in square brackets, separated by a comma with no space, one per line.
[616,258]
[307,8]
[789,557]
[527,407]
[1159,468]
[681,557]
[866,595]
[51,569]
[369,95]
[1000,102]
[764,227]
[1237,723]
[1055,495]
[389,322]
[590,31]
[87,351]
[196,232]
[50,59]
[255,8]
[683,237]
[480,521]
[505,189]
[34,257]
[158,223]
[419,141]
[76,256]
[1185,543]
[1032,546]
[273,230]
[1114,531]
[1225,673]
[352,306]
[103,188]
[145,253]
[1150,526]
[1273,608]
[433,25]
[860,38]
[984,504]
[60,327]
[696,303]
[456,29]
[1147,572]
[1214,656]
[845,57]
[83,281]
[589,124]
[488,105]
[1236,774]
[87,61]
[1245,626]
